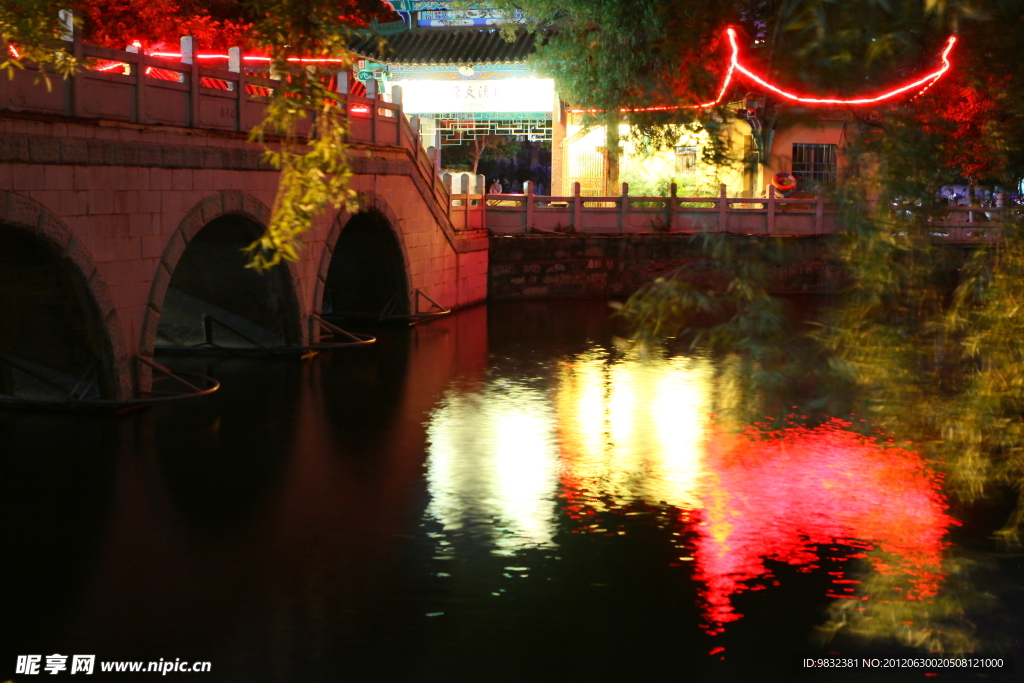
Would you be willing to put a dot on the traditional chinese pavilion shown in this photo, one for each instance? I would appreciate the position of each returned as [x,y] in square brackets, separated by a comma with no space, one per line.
[459,74]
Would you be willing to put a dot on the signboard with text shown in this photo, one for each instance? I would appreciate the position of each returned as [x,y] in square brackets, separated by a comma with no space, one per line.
[510,95]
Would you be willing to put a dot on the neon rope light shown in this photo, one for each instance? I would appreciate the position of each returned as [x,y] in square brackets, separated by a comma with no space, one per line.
[735,65]
[253,58]
[14,51]
[923,83]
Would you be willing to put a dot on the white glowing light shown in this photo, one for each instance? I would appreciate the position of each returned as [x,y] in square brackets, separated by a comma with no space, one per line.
[513,95]
[493,456]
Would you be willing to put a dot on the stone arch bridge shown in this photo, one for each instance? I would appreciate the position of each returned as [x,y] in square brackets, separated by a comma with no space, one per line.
[125,201]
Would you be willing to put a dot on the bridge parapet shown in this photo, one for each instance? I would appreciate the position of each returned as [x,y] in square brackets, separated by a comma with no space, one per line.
[774,216]
[155,91]
[158,91]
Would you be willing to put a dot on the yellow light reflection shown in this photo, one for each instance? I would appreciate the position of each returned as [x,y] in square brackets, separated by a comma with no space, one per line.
[492,458]
[613,432]
[634,429]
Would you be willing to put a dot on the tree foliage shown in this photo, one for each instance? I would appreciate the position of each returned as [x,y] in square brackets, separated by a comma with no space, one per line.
[469,153]
[613,54]
[160,23]
[35,27]
[923,342]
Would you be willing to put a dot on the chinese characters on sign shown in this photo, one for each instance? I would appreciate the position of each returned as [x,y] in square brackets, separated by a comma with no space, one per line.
[520,95]
[470,91]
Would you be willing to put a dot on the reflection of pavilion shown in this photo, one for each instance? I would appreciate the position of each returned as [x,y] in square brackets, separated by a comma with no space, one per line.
[459,75]
[613,433]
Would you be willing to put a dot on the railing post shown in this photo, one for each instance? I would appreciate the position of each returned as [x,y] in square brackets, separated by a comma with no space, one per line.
[235,60]
[446,182]
[437,147]
[483,204]
[464,191]
[723,209]
[624,209]
[371,93]
[140,82]
[528,191]
[396,98]
[819,214]
[431,153]
[417,147]
[187,58]
[577,208]
[771,210]
[235,66]
[673,206]
[67,24]
[480,189]
[78,80]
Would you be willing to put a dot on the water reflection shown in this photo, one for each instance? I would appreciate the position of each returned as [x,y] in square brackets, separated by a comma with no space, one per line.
[494,461]
[616,431]
[798,494]
[633,430]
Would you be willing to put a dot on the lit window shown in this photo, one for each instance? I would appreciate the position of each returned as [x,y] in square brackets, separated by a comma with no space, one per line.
[815,164]
[686,161]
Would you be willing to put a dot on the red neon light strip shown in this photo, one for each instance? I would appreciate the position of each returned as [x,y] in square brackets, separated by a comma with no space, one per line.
[925,82]
[301,60]
[735,65]
[14,51]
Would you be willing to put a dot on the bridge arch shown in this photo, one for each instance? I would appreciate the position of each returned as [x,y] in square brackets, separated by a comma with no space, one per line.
[364,266]
[59,322]
[202,271]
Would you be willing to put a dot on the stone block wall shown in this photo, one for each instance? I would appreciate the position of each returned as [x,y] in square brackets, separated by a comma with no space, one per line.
[129,197]
[539,266]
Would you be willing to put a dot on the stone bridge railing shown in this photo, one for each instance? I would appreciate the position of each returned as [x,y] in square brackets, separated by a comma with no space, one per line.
[151,90]
[528,213]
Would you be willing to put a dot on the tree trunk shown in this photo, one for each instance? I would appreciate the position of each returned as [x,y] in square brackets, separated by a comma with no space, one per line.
[612,187]
[479,145]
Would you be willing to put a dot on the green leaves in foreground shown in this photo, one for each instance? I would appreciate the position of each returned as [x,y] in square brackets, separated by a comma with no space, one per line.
[304,114]
[720,304]
[34,28]
[314,169]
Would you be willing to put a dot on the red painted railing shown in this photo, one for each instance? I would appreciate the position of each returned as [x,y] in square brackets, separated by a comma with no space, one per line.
[152,90]
[625,214]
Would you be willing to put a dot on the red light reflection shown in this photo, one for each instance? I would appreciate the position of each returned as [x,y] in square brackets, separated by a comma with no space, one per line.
[780,496]
[756,496]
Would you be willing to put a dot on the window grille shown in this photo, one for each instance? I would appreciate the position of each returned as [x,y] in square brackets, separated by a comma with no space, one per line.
[815,164]
[686,161]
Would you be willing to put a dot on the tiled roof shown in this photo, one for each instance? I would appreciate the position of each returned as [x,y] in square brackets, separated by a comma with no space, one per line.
[448,46]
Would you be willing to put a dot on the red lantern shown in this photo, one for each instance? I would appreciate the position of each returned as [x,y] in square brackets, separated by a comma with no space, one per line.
[785,184]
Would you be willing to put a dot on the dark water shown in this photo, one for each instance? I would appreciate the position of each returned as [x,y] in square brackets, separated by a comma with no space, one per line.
[497,496]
